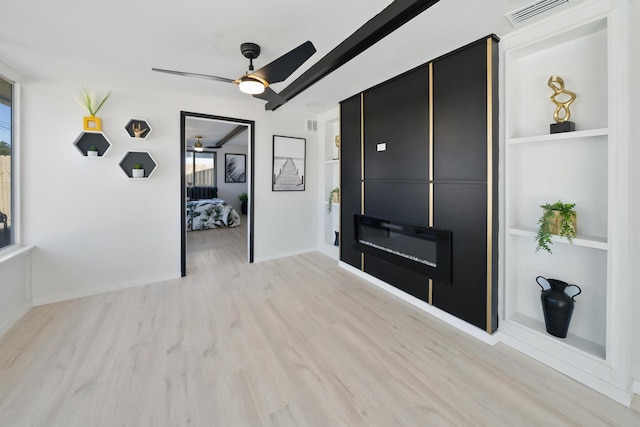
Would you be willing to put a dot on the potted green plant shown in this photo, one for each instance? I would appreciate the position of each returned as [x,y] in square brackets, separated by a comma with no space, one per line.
[92,151]
[244,198]
[334,197]
[559,219]
[137,171]
[92,103]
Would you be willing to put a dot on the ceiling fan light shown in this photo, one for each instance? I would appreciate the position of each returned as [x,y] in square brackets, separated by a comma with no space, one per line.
[251,86]
[198,145]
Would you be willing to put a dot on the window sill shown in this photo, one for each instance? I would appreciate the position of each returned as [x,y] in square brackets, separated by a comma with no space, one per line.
[10,253]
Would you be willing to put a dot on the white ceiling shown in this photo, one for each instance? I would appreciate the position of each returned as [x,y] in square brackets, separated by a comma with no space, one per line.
[117,42]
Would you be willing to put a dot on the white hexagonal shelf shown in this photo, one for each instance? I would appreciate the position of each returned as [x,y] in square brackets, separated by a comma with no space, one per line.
[88,139]
[138,128]
[143,158]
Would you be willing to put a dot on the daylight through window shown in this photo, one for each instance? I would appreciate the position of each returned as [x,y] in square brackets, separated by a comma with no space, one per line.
[6,207]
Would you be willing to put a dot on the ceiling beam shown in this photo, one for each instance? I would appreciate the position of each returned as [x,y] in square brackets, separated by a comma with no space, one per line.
[228,137]
[390,19]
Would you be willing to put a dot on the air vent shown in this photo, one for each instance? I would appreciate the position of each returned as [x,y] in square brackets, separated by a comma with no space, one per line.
[534,10]
[312,126]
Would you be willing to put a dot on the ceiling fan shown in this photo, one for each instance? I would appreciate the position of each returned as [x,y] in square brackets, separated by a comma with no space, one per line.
[257,83]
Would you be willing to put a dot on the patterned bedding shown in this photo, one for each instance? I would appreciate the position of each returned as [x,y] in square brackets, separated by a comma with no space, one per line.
[210,213]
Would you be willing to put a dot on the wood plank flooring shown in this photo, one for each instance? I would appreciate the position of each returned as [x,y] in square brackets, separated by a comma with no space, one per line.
[289,342]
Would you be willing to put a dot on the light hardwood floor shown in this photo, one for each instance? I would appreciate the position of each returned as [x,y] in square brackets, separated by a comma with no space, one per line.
[290,342]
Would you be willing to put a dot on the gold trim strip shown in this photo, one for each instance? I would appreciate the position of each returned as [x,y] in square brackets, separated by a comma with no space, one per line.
[489,182]
[430,123]
[362,166]
[431,144]
[431,164]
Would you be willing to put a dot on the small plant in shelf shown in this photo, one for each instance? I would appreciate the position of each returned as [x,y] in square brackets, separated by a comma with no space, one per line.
[334,197]
[137,171]
[92,151]
[559,219]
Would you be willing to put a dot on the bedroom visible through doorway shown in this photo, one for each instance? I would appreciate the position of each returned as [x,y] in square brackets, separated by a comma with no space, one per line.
[217,181]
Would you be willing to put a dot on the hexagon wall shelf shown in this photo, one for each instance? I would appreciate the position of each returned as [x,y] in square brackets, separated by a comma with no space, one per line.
[88,139]
[138,128]
[133,157]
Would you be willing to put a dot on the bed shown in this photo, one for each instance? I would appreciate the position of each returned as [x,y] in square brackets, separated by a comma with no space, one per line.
[210,213]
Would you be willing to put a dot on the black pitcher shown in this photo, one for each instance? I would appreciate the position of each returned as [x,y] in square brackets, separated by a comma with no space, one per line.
[557,304]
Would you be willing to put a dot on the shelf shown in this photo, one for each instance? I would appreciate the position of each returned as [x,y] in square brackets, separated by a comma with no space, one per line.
[560,136]
[573,341]
[88,139]
[586,241]
[133,157]
[139,126]
[332,162]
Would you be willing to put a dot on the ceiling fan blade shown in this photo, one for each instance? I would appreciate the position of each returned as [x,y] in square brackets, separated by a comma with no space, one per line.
[271,96]
[281,68]
[201,76]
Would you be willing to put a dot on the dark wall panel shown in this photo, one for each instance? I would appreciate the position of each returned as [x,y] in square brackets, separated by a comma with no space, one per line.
[351,181]
[350,202]
[462,209]
[401,278]
[397,113]
[399,201]
[460,114]
[350,140]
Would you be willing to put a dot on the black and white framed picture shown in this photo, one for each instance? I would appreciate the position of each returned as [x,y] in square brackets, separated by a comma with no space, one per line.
[289,157]
[235,166]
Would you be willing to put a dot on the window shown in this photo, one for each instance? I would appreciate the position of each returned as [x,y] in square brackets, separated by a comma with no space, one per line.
[6,193]
[200,169]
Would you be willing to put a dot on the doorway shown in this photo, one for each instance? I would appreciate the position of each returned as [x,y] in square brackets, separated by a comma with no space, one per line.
[214,137]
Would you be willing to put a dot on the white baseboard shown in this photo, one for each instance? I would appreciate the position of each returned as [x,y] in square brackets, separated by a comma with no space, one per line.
[635,386]
[12,318]
[452,320]
[96,290]
[283,255]
[584,377]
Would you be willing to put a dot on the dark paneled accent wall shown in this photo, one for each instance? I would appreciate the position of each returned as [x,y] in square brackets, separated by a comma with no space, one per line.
[459,119]
[350,177]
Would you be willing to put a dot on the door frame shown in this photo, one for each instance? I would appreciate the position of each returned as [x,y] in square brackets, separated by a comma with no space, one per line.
[183,189]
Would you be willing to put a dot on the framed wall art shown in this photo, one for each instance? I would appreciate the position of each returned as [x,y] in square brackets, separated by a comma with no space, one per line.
[289,158]
[235,167]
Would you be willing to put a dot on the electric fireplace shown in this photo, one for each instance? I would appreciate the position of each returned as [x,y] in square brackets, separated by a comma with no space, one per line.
[425,250]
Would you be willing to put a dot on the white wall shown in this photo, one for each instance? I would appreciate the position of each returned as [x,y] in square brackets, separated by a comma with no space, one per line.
[15,287]
[97,230]
[635,184]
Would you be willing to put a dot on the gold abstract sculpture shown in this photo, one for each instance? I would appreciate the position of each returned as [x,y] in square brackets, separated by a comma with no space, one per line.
[559,92]
[137,130]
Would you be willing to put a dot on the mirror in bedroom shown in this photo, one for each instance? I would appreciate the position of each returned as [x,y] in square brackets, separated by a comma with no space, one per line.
[216,197]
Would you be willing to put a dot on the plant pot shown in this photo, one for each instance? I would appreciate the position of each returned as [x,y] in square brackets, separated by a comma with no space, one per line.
[92,123]
[92,154]
[137,173]
[554,225]
[557,305]
[335,198]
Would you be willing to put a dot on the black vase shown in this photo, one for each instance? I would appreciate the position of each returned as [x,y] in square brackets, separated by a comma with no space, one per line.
[557,305]
[337,241]
[243,207]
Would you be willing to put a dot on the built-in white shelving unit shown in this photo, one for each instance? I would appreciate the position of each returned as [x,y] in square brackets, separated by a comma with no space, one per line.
[585,167]
[328,129]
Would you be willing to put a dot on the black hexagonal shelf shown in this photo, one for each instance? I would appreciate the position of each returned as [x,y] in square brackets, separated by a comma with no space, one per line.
[143,157]
[92,139]
[138,128]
